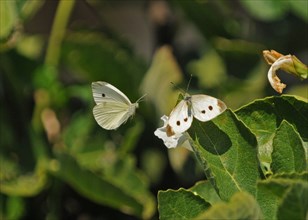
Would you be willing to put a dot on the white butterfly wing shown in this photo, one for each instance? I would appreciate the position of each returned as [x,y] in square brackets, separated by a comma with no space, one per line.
[104,92]
[111,114]
[180,118]
[206,108]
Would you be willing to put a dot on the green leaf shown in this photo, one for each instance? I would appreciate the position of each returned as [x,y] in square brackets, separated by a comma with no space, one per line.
[156,83]
[131,137]
[293,176]
[30,46]
[205,190]
[27,8]
[200,11]
[15,207]
[180,204]
[270,192]
[210,70]
[266,10]
[288,151]
[299,69]
[299,8]
[153,163]
[295,203]
[26,185]
[241,206]
[95,57]
[8,17]
[227,151]
[9,168]
[46,78]
[264,116]
[76,135]
[124,192]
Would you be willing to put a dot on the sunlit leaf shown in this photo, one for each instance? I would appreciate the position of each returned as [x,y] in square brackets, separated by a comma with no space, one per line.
[25,185]
[8,17]
[180,204]
[9,168]
[210,70]
[288,151]
[241,206]
[206,190]
[264,116]
[30,45]
[163,71]
[227,150]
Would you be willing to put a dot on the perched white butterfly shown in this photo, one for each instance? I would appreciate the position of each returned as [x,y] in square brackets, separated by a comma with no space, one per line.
[113,107]
[202,107]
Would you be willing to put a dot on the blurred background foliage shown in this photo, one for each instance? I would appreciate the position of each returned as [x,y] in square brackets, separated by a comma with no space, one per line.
[55,161]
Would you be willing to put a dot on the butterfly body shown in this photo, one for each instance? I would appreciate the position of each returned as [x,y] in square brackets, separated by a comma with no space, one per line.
[202,107]
[113,107]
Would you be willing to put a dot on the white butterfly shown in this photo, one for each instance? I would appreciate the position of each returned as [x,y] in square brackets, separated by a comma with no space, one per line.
[202,107]
[113,107]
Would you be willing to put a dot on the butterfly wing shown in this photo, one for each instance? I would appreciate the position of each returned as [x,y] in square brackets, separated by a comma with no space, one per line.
[206,107]
[180,118]
[103,92]
[111,114]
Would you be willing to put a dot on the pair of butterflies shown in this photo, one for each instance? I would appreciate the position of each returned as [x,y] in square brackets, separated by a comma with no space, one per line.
[114,108]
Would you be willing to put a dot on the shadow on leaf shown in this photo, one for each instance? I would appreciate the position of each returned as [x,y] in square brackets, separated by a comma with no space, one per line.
[211,138]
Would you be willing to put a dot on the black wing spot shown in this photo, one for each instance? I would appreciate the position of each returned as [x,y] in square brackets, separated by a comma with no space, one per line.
[103,95]
[210,108]
[203,111]
[185,119]
[178,123]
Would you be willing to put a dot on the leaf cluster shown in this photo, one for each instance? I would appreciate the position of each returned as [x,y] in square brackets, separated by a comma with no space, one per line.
[57,163]
[255,161]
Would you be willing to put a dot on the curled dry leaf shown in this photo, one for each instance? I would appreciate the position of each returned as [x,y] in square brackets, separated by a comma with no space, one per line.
[273,78]
[288,63]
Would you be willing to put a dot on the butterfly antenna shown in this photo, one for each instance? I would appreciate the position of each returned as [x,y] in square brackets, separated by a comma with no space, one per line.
[182,91]
[188,84]
[141,98]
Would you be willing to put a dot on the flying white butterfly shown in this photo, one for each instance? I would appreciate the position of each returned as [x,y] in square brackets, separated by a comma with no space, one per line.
[202,107]
[113,107]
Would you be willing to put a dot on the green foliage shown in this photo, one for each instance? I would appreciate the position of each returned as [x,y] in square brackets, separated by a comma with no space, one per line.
[224,147]
[230,149]
[274,10]
[241,206]
[288,150]
[57,163]
[116,184]
[8,17]
[263,117]
[272,194]
[180,204]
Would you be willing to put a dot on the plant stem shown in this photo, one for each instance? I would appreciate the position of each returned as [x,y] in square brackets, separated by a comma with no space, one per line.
[58,30]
